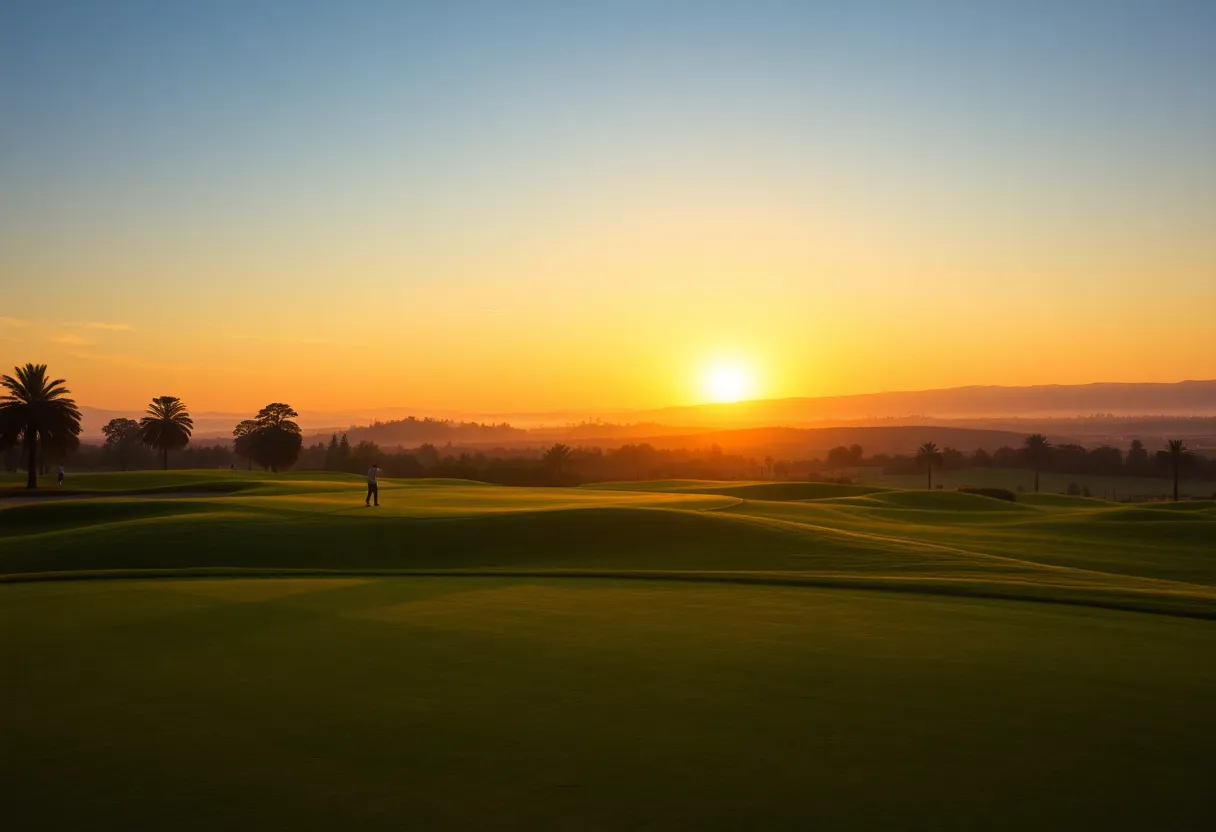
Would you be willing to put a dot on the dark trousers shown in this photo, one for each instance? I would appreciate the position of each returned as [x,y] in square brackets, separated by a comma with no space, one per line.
[373,490]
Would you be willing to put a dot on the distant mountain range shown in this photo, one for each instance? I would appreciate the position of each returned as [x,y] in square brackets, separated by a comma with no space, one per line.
[1184,398]
[1189,398]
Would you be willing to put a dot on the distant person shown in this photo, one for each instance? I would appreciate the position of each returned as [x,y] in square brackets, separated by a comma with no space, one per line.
[231,467]
[61,475]
[373,486]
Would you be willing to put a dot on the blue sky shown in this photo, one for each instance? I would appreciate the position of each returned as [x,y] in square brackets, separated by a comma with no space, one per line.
[484,158]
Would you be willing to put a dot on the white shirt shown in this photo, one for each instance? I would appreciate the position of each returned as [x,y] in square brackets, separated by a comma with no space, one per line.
[372,473]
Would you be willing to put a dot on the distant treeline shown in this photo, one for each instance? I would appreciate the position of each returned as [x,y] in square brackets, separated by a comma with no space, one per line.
[1137,461]
[558,464]
[134,457]
[412,431]
[564,465]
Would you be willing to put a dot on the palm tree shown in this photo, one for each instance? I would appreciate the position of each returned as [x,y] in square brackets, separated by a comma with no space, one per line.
[1176,452]
[36,409]
[1037,449]
[167,426]
[927,455]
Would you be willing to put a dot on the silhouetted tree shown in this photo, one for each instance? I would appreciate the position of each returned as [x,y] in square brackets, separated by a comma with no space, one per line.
[1005,457]
[839,458]
[427,455]
[927,456]
[122,440]
[276,439]
[856,455]
[953,459]
[312,457]
[242,440]
[36,409]
[1069,458]
[768,466]
[331,454]
[1037,448]
[1105,460]
[1137,457]
[362,456]
[1176,452]
[167,427]
[555,459]
[344,454]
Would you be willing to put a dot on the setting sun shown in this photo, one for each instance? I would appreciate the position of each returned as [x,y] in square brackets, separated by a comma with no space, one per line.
[727,383]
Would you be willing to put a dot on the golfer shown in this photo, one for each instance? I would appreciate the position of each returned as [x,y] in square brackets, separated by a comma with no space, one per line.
[373,488]
[61,475]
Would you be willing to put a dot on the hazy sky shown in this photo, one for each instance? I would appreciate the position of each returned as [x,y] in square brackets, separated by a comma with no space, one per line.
[493,206]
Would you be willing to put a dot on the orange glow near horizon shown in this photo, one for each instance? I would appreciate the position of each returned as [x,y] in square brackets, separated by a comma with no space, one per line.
[512,218]
[530,366]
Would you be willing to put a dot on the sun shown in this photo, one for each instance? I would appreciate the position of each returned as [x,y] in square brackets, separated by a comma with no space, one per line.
[727,383]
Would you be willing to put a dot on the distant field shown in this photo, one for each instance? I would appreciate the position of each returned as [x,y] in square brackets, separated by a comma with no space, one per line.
[677,654]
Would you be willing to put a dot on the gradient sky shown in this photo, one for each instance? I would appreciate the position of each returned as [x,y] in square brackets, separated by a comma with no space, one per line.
[526,206]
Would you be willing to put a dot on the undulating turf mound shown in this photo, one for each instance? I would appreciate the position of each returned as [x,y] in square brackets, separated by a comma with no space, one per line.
[945,501]
[787,491]
[1061,501]
[938,542]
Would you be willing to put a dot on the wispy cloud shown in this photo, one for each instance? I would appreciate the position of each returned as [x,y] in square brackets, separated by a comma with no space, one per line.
[111,327]
[69,339]
[14,322]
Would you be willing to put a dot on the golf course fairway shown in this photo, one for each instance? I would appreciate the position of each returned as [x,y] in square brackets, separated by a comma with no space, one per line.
[200,650]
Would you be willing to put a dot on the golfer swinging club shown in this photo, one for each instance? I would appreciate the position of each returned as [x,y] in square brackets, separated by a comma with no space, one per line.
[373,488]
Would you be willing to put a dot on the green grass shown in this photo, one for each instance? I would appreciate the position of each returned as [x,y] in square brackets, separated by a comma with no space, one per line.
[1089,552]
[668,655]
[441,702]
[747,490]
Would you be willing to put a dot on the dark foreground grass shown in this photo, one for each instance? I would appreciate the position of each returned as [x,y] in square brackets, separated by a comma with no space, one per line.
[725,685]
[456,702]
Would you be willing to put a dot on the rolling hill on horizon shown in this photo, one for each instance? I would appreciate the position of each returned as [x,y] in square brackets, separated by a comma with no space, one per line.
[1184,398]
[1195,398]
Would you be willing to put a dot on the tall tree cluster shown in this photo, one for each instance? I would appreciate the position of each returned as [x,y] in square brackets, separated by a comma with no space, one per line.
[272,439]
